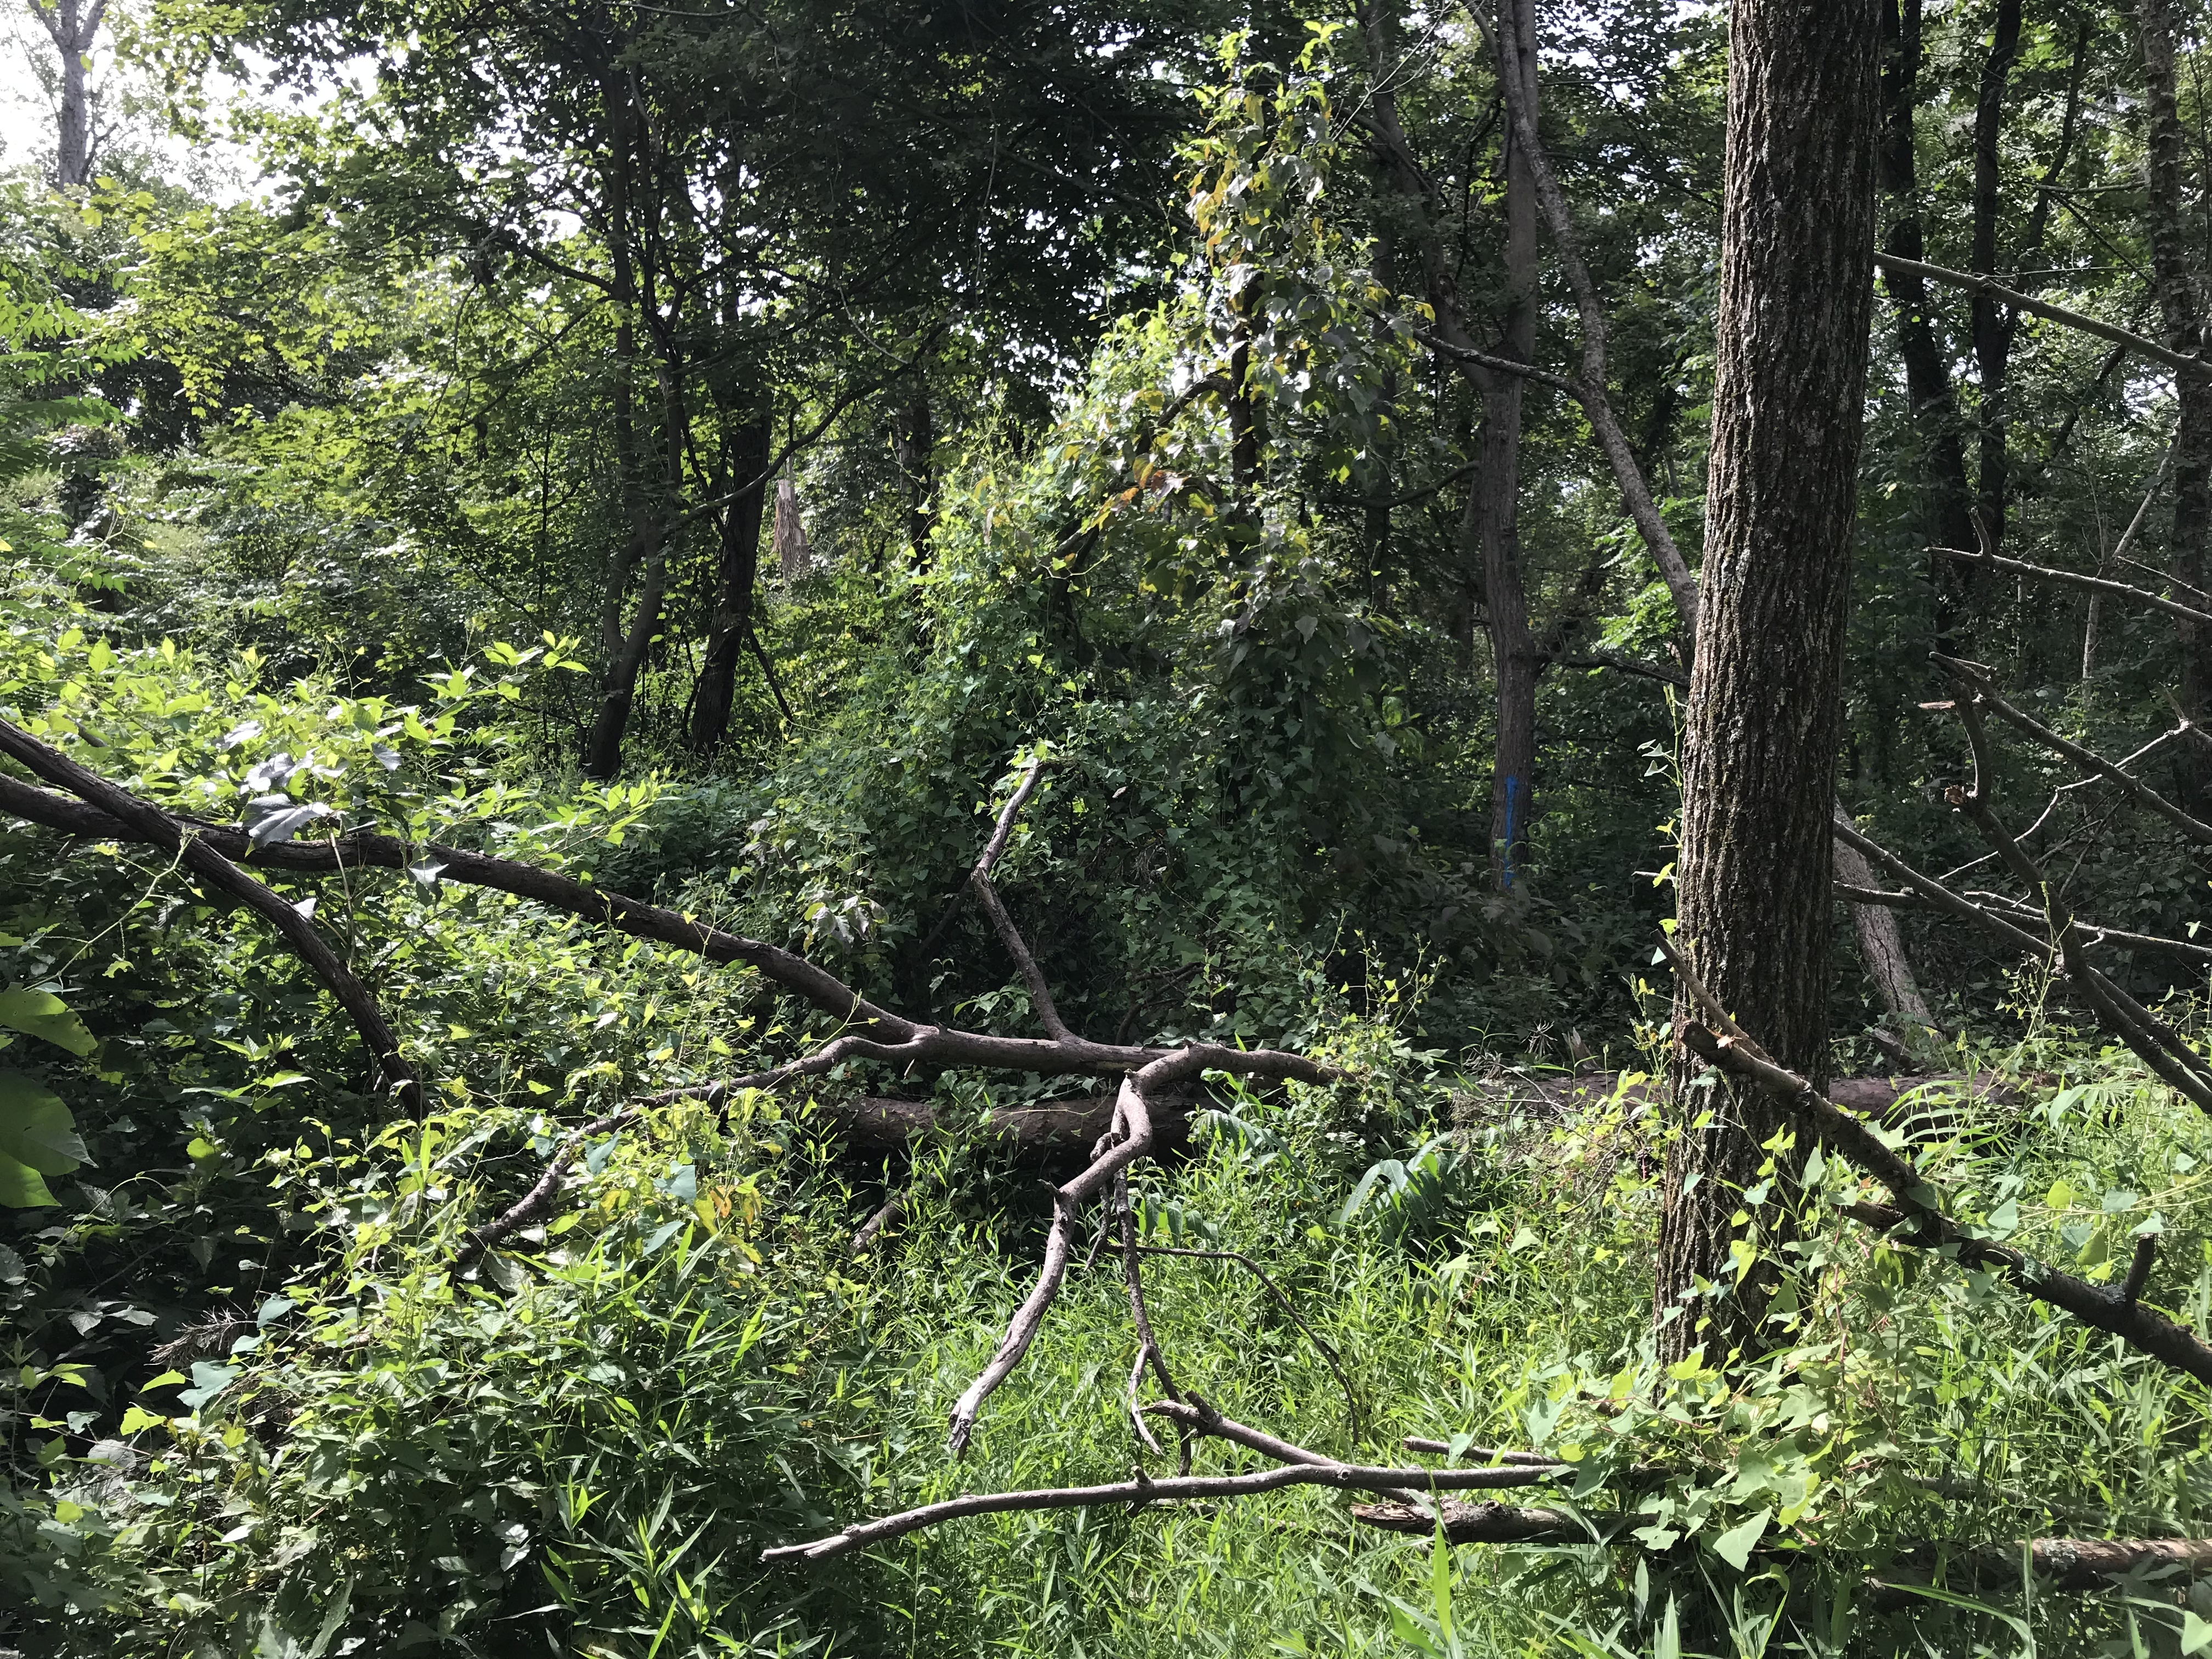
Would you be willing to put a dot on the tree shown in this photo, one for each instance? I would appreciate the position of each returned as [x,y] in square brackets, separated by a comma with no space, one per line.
[73,26]
[1764,711]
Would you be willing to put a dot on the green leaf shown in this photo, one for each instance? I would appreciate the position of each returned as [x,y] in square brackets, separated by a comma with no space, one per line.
[22,1187]
[35,1128]
[2196,1634]
[43,1014]
[1735,1546]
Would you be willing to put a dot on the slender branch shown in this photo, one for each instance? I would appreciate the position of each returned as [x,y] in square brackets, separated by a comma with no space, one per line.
[539,1199]
[1971,676]
[2013,297]
[1991,560]
[1328,1354]
[1665,673]
[989,856]
[1047,1012]
[139,820]
[768,671]
[1673,569]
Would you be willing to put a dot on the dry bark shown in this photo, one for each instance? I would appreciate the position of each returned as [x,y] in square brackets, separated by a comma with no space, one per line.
[1765,707]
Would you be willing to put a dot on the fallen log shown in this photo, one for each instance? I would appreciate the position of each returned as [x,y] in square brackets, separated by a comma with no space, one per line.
[1046,1130]
[1939,1092]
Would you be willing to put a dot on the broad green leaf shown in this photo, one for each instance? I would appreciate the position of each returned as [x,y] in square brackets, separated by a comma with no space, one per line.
[43,1014]
[36,1128]
[22,1187]
[1735,1546]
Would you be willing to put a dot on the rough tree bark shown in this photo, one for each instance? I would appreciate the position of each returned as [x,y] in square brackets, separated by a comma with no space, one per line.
[72,26]
[1765,715]
[736,568]
[2174,277]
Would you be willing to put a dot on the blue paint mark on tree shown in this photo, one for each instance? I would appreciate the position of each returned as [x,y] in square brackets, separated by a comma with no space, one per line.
[1512,833]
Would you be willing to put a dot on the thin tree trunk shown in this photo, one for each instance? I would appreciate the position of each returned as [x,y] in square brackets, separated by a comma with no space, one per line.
[1765,705]
[2175,279]
[1929,391]
[73,29]
[1497,486]
[736,568]
[1992,325]
[646,501]
[913,444]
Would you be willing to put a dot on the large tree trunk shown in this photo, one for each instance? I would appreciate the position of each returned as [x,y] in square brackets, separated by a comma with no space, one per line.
[1765,707]
[1495,497]
[1929,391]
[2174,277]
[736,568]
[72,26]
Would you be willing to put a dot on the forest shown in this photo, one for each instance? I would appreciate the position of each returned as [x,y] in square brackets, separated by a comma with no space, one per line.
[1087,828]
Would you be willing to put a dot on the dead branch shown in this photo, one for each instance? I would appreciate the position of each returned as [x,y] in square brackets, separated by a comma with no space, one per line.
[1328,1354]
[1988,559]
[1343,1476]
[2156,1044]
[1478,1524]
[2069,1564]
[2019,301]
[1917,1204]
[140,821]
[366,849]
[1976,681]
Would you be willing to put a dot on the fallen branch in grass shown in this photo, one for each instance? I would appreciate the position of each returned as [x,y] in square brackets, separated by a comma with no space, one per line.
[1917,1205]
